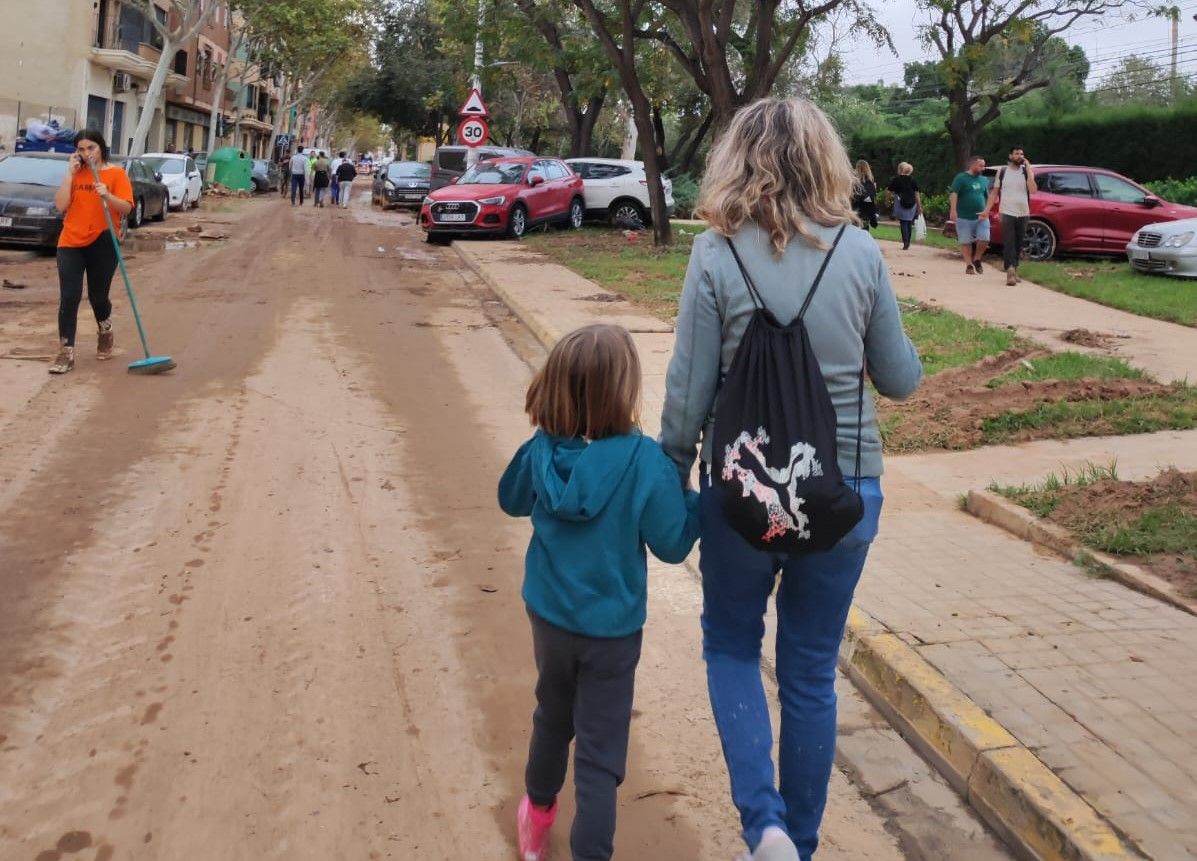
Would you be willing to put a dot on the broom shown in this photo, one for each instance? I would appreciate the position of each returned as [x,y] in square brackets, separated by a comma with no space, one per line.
[150,364]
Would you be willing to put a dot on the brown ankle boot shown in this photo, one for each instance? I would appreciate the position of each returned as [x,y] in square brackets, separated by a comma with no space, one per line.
[106,341]
[65,361]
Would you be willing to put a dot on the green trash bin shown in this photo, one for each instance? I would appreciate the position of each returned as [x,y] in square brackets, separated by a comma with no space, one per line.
[232,168]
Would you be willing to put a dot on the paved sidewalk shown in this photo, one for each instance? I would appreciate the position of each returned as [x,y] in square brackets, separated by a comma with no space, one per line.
[1096,680]
[1168,351]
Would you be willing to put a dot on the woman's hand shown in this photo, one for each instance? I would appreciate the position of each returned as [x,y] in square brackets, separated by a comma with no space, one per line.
[102,190]
[76,162]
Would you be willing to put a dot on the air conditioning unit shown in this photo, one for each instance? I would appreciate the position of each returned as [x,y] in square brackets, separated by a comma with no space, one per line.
[122,82]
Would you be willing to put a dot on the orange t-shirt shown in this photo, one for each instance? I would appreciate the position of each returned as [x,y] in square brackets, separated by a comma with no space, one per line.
[84,220]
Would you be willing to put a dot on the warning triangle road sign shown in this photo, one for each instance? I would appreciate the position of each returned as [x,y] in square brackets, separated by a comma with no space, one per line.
[474,106]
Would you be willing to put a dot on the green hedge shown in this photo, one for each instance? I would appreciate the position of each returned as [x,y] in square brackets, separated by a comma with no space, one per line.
[1142,143]
[1183,191]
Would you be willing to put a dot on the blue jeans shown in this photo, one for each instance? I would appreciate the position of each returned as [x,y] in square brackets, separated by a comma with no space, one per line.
[813,599]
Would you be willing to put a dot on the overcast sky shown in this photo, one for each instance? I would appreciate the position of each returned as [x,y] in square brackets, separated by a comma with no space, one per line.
[1104,41]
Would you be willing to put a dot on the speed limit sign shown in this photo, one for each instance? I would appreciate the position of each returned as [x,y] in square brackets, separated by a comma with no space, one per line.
[473,131]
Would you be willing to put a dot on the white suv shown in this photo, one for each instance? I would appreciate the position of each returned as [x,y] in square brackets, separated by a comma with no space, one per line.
[617,189]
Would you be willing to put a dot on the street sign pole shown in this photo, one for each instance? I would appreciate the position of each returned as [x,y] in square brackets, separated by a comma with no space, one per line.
[476,80]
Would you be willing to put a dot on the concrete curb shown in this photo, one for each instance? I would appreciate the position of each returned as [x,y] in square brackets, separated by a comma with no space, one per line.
[996,509]
[1032,809]
[1021,798]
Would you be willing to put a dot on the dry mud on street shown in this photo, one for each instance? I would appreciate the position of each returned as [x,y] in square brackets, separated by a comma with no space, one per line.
[265,606]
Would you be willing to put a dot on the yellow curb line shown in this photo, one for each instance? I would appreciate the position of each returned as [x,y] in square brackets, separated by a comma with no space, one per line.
[993,508]
[1019,796]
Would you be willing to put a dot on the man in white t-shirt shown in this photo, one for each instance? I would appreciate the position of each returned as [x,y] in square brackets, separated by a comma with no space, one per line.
[1014,185]
[299,175]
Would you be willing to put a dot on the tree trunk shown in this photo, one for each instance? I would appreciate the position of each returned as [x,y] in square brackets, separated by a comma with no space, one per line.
[642,116]
[534,144]
[278,117]
[659,139]
[962,127]
[152,94]
[584,143]
[687,161]
[217,104]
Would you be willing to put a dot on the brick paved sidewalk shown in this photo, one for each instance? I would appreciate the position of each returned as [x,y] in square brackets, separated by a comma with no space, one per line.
[1097,680]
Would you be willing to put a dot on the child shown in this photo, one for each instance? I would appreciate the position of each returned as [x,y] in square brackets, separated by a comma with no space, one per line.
[598,492]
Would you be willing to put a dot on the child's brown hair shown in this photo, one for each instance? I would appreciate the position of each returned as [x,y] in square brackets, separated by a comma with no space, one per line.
[589,386]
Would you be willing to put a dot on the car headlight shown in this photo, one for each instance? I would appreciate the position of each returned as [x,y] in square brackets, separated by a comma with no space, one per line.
[494,201]
[427,201]
[38,210]
[390,186]
[1179,241]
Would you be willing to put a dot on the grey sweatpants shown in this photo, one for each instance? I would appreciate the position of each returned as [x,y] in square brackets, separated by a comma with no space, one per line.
[584,691]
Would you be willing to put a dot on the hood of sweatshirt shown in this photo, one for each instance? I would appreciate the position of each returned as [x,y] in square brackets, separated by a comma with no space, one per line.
[576,479]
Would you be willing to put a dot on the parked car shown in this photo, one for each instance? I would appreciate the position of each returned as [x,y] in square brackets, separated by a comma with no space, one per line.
[1084,210]
[505,196]
[365,166]
[1167,247]
[266,176]
[150,196]
[180,175]
[449,162]
[617,189]
[401,183]
[28,181]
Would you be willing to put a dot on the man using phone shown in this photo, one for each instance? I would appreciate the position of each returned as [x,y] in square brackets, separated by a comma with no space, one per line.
[1012,189]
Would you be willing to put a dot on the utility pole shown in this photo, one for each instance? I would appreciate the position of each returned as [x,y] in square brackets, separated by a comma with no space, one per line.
[1172,13]
[476,79]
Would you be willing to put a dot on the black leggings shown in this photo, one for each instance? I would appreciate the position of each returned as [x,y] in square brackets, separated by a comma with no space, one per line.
[98,260]
[907,228]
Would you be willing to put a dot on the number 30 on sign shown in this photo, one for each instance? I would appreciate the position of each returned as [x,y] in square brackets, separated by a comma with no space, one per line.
[473,131]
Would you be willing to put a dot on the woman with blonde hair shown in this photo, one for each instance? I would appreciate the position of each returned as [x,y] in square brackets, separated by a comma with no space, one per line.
[908,200]
[777,196]
[864,199]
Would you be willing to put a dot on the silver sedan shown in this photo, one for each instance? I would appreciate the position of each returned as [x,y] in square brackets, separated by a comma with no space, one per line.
[1167,248]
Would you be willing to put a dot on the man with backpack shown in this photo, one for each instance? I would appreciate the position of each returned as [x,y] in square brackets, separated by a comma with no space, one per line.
[345,174]
[1012,193]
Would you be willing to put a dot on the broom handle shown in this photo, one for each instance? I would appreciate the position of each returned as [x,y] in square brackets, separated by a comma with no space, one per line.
[120,259]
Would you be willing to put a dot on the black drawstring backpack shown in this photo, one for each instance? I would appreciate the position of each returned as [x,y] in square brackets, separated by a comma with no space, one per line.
[774,455]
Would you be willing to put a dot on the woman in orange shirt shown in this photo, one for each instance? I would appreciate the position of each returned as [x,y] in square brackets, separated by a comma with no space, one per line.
[84,246]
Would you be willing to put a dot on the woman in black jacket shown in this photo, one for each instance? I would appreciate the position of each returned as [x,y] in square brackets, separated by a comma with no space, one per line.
[908,200]
[864,198]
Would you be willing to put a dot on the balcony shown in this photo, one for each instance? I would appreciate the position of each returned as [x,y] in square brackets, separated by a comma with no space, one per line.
[124,44]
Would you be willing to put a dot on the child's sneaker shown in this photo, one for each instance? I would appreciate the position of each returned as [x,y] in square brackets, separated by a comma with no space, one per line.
[533,824]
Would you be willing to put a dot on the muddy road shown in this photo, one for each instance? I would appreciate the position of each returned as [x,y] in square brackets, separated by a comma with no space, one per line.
[265,607]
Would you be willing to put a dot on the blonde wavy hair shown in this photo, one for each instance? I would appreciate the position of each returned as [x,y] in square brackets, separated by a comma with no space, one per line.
[781,164]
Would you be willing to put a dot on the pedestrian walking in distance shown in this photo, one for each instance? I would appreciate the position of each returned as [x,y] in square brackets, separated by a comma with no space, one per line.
[85,246]
[864,201]
[598,492]
[336,185]
[345,175]
[299,175]
[779,273]
[320,179]
[1012,190]
[968,208]
[908,200]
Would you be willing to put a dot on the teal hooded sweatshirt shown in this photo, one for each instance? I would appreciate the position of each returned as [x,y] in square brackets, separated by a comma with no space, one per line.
[595,506]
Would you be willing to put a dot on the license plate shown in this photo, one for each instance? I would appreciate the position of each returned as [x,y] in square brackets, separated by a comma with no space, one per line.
[1140,254]
[5,221]
[413,197]
[453,216]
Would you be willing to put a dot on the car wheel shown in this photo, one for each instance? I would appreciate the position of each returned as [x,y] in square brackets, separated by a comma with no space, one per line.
[161,216]
[137,214]
[626,210]
[195,203]
[1039,242]
[577,212]
[517,221]
[185,203]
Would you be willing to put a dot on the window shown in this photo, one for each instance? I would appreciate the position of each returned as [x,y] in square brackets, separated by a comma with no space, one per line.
[583,168]
[33,171]
[190,166]
[608,171]
[408,170]
[1117,190]
[1069,184]
[555,170]
[451,159]
[492,173]
[180,63]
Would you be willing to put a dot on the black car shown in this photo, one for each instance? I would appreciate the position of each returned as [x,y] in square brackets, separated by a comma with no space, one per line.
[150,196]
[27,185]
[266,176]
[402,183]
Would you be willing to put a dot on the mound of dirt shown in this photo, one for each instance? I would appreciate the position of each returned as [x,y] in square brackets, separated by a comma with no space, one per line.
[1110,505]
[950,409]
[1088,338]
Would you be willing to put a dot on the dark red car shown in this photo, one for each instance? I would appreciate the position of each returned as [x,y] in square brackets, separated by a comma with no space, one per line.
[1084,210]
[505,196]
